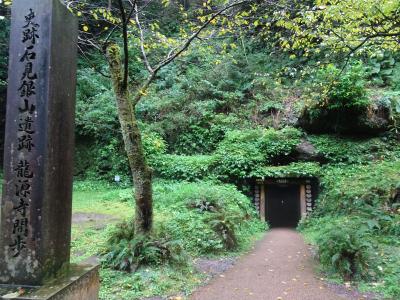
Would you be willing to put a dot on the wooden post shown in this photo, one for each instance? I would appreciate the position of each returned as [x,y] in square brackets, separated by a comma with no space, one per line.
[262,202]
[303,206]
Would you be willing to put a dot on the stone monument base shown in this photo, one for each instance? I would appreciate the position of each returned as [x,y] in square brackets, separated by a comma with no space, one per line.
[80,283]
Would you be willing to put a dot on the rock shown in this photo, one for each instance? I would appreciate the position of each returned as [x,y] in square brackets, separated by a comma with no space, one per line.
[305,151]
[373,121]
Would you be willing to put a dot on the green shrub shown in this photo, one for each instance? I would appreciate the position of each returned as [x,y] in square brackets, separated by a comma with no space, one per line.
[344,247]
[380,68]
[205,217]
[356,224]
[180,167]
[195,218]
[126,251]
[395,78]
[393,100]
[224,225]
[153,144]
[337,101]
[296,169]
[103,159]
[242,152]
[199,139]
[342,92]
[348,189]
[96,111]
[358,150]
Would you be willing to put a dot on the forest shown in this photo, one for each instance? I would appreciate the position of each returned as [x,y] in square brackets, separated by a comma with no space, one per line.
[182,105]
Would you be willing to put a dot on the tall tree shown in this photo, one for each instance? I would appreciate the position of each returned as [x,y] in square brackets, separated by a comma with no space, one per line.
[126,25]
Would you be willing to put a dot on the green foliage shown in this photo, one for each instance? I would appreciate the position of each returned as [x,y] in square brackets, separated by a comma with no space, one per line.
[337,101]
[392,100]
[336,91]
[380,68]
[180,167]
[365,187]
[296,169]
[395,78]
[345,247]
[358,150]
[206,218]
[96,113]
[195,218]
[199,139]
[344,91]
[100,159]
[242,152]
[356,224]
[226,91]
[126,252]
[153,144]
[224,226]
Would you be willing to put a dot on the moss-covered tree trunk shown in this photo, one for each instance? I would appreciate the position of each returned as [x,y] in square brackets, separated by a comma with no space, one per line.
[141,173]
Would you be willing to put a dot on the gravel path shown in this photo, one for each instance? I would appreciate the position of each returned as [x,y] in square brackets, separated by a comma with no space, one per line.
[279,268]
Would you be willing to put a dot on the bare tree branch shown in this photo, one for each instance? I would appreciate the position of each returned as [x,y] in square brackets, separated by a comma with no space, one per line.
[142,41]
[172,56]
[186,45]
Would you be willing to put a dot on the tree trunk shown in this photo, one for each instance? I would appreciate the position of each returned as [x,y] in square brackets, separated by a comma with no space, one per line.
[141,173]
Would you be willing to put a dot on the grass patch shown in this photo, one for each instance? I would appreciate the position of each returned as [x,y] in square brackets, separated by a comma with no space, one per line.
[197,215]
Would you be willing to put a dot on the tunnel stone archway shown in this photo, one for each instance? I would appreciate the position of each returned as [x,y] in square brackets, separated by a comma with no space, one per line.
[282,202]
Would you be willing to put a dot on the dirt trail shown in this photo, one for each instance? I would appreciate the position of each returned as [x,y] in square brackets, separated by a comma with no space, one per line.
[280,267]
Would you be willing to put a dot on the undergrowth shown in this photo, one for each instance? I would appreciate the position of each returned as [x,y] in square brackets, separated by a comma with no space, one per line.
[356,226]
[191,220]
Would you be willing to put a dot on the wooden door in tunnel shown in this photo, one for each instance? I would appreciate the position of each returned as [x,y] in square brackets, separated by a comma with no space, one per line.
[282,205]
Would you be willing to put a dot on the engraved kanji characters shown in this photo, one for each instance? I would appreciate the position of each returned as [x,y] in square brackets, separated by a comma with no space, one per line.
[25,136]
[23,170]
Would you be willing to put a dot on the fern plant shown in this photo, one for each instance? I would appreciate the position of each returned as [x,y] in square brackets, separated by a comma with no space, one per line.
[224,225]
[345,249]
[127,252]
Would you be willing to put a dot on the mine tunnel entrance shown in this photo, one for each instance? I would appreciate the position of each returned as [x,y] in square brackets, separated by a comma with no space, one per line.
[282,202]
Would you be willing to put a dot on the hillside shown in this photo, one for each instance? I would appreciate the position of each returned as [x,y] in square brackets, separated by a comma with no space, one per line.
[175,154]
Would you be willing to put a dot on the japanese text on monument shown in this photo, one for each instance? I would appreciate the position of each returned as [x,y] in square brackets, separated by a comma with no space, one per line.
[26,136]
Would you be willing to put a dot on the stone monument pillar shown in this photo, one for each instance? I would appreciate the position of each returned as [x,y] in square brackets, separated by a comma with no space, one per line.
[35,218]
